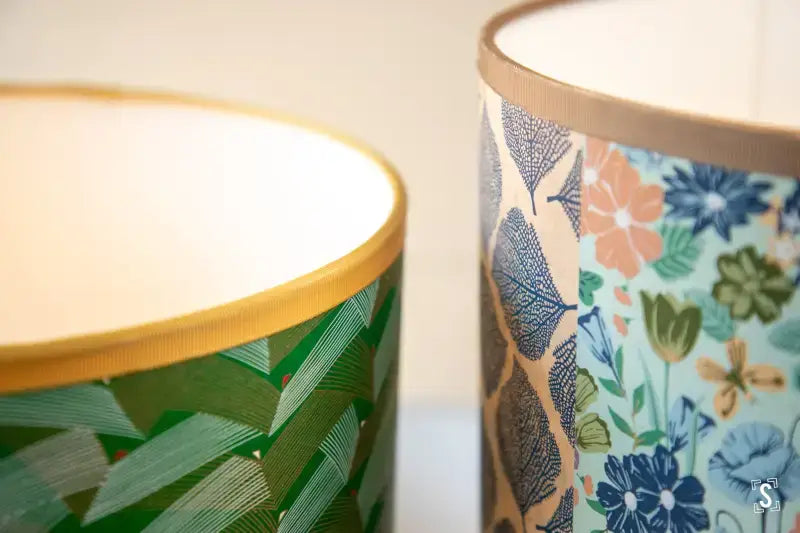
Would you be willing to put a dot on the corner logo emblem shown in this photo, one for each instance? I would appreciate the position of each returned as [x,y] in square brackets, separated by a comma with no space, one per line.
[766,502]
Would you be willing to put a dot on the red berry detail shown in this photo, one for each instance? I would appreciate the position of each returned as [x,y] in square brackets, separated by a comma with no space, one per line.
[119,454]
[285,380]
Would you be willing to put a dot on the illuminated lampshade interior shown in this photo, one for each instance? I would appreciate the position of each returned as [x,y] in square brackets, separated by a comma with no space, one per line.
[117,213]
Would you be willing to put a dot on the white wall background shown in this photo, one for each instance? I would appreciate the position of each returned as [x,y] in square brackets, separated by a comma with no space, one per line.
[400,75]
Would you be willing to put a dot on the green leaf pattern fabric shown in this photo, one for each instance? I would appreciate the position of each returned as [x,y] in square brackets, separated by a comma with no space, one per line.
[288,433]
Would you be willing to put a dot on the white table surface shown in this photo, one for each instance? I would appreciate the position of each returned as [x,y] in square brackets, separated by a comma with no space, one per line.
[437,480]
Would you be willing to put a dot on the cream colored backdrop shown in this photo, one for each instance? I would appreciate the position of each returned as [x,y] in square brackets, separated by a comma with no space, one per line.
[398,74]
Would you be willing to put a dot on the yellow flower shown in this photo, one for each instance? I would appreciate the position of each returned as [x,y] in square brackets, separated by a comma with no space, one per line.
[740,377]
[770,216]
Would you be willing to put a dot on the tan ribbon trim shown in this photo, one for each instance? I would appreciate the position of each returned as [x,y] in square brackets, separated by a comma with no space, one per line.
[753,147]
[82,358]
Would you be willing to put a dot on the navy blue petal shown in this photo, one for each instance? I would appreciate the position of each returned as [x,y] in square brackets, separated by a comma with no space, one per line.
[609,497]
[617,474]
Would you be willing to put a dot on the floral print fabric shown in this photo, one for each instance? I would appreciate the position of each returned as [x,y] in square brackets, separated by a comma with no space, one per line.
[678,283]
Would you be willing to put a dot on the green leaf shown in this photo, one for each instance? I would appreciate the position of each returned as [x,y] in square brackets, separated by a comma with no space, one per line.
[717,321]
[680,252]
[598,531]
[612,387]
[797,377]
[592,434]
[621,424]
[588,282]
[596,506]
[691,452]
[638,399]
[672,326]
[648,438]
[786,336]
[652,402]
[585,390]
[618,358]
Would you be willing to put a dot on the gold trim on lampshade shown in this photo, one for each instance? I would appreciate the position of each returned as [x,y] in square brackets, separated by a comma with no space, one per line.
[87,357]
[729,143]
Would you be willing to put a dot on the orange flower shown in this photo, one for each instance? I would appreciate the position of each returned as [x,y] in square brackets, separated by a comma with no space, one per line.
[622,296]
[796,528]
[588,486]
[740,377]
[617,208]
[620,324]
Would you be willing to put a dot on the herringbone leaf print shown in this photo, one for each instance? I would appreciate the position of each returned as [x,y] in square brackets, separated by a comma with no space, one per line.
[291,433]
[387,337]
[254,354]
[351,316]
[232,490]
[89,406]
[373,482]
[37,475]
[261,520]
[330,477]
[195,386]
[341,516]
[166,458]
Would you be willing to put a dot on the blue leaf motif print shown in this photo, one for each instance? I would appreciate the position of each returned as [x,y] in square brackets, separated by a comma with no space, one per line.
[535,144]
[491,179]
[527,448]
[561,521]
[562,381]
[570,195]
[680,423]
[532,304]
[493,344]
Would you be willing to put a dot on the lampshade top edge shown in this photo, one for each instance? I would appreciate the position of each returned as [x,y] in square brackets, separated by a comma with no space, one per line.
[751,146]
[94,355]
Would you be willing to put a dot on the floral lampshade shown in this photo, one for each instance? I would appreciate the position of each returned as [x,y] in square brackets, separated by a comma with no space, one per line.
[640,264]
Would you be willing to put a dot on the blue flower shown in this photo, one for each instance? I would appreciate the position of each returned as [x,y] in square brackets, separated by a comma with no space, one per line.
[648,161]
[714,196]
[680,424]
[673,503]
[619,498]
[789,216]
[750,451]
[592,332]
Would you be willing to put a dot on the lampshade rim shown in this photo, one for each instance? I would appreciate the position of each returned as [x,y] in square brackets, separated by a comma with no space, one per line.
[709,139]
[100,355]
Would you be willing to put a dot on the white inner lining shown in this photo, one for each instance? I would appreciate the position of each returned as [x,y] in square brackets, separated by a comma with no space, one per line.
[736,60]
[114,214]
